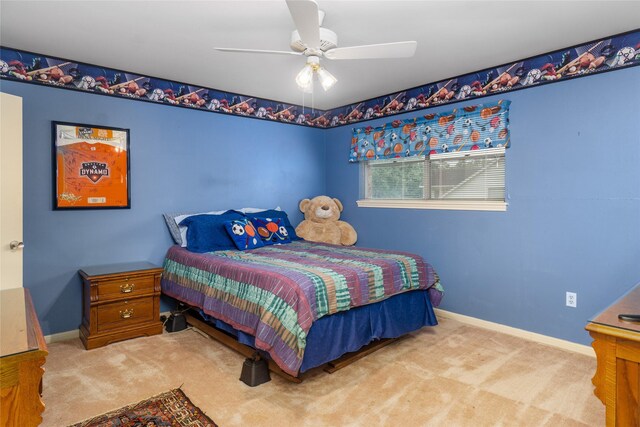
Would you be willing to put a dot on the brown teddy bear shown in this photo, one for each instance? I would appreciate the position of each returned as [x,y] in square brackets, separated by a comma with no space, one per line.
[321,222]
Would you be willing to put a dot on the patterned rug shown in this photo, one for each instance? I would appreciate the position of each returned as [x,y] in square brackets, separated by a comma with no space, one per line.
[172,408]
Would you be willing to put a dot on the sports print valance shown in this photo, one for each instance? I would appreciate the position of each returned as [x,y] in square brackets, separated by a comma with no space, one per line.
[474,127]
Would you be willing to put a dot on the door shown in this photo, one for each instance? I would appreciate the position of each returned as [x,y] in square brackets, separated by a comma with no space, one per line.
[10,191]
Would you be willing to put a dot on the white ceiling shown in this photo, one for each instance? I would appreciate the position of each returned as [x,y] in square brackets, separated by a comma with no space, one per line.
[175,39]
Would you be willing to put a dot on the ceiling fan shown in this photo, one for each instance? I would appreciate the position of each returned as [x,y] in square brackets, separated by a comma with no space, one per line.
[315,42]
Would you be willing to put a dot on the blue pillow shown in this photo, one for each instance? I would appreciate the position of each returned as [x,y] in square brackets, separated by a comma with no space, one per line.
[272,213]
[243,234]
[271,230]
[206,233]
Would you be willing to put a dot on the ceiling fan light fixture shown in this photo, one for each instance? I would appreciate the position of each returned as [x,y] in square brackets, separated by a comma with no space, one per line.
[305,76]
[327,80]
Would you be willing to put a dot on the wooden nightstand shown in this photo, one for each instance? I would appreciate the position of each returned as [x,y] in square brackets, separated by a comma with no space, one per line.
[120,301]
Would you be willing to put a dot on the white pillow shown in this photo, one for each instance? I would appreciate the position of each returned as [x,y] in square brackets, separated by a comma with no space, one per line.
[254,210]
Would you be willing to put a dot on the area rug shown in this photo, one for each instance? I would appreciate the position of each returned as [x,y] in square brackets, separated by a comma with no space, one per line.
[172,408]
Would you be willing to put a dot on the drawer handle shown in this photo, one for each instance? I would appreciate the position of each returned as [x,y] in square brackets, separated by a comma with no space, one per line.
[127,288]
[125,314]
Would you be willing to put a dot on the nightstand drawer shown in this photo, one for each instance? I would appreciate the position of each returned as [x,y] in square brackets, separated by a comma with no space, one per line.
[125,287]
[124,313]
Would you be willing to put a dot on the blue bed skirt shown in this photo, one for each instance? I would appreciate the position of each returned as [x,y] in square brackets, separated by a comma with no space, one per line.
[332,336]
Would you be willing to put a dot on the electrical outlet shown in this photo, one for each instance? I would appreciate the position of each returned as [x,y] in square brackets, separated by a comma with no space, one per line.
[572,299]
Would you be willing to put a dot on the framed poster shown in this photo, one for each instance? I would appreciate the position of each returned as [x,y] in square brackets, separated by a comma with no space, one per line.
[90,167]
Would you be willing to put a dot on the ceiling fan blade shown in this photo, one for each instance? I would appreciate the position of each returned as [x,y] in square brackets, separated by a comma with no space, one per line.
[305,17]
[372,51]
[276,52]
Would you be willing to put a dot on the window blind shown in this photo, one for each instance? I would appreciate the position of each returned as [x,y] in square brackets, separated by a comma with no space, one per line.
[472,175]
[468,177]
[396,179]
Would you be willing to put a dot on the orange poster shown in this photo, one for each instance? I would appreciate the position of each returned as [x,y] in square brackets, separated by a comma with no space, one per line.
[91,167]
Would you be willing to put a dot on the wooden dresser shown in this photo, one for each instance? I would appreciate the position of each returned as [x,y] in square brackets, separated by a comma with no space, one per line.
[617,346]
[120,301]
[23,352]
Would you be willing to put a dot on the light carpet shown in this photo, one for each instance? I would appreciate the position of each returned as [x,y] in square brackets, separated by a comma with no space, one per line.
[450,375]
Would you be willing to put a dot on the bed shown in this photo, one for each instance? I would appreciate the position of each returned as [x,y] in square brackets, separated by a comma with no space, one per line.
[302,303]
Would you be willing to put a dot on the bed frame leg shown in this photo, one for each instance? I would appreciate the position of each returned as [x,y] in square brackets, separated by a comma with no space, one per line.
[235,345]
[255,371]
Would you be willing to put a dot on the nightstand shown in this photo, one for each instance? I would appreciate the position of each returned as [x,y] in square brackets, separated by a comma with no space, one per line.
[119,301]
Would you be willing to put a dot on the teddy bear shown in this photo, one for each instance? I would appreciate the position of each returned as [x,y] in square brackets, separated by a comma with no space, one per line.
[321,222]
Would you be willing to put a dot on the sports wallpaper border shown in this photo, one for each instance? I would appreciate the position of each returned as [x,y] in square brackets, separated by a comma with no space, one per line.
[598,56]
[29,67]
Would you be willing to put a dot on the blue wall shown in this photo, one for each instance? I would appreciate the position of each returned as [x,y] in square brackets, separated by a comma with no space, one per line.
[181,160]
[573,183]
[573,220]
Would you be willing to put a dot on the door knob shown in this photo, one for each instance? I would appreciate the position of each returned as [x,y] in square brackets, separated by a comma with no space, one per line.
[15,245]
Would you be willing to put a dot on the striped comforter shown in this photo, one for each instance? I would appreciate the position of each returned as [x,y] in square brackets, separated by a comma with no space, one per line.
[276,292]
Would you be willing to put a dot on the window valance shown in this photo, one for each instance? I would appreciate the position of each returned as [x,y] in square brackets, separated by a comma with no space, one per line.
[475,127]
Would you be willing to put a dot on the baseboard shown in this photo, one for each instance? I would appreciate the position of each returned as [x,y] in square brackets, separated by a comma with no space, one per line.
[62,336]
[521,333]
[75,333]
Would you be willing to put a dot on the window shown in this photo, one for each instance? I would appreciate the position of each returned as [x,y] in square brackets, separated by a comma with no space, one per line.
[468,180]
